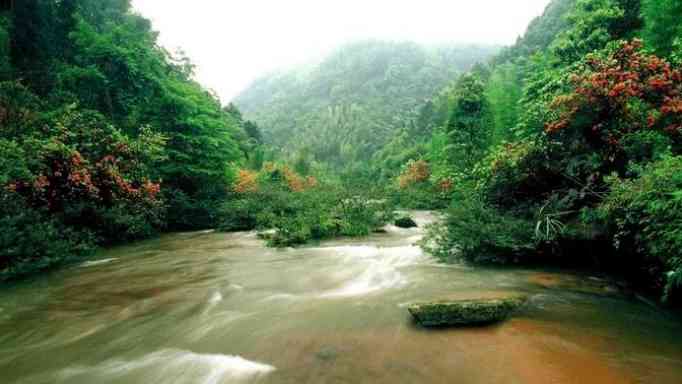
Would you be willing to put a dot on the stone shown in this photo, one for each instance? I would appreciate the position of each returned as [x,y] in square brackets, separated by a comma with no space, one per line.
[327,354]
[464,312]
[405,222]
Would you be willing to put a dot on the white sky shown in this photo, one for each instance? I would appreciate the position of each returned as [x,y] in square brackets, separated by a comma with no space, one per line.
[233,42]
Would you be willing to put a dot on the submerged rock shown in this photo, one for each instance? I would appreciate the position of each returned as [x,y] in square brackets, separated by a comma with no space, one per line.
[464,312]
[405,222]
[327,354]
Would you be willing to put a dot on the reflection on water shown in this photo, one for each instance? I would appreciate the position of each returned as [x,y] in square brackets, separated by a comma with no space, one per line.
[220,308]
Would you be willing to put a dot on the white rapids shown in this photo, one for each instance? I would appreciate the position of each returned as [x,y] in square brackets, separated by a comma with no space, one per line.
[171,366]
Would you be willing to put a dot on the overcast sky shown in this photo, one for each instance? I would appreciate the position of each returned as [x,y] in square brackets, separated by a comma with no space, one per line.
[233,42]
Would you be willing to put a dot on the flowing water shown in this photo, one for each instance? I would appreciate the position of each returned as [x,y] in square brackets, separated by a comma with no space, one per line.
[221,308]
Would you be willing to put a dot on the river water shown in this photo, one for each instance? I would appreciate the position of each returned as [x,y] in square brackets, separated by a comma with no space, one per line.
[221,308]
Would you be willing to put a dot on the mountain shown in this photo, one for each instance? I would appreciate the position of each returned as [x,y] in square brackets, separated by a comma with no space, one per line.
[541,31]
[351,103]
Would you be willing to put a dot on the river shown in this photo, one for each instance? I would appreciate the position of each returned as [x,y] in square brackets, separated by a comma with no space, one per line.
[217,308]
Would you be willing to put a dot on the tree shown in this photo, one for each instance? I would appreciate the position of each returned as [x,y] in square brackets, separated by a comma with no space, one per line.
[662,24]
[468,127]
[594,23]
[541,32]
[619,95]
[504,92]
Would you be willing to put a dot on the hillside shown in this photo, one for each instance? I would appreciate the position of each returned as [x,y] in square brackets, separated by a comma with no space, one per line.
[349,105]
[566,149]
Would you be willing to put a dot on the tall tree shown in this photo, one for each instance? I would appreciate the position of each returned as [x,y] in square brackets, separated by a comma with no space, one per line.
[662,24]
[468,127]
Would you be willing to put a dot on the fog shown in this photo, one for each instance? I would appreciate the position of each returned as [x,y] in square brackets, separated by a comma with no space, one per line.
[234,42]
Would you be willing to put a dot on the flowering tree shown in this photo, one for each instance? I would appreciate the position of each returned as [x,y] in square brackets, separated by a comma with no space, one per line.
[415,172]
[87,169]
[615,95]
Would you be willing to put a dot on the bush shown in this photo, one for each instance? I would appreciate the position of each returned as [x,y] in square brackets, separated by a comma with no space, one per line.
[32,241]
[298,217]
[300,208]
[297,229]
[517,176]
[239,214]
[187,212]
[645,218]
[416,188]
[323,214]
[422,196]
[124,223]
[474,231]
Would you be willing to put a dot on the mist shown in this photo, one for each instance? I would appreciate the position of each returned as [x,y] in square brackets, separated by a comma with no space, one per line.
[259,36]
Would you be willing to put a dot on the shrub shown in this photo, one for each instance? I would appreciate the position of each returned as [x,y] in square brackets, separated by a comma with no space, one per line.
[300,208]
[326,213]
[313,214]
[128,222]
[246,182]
[423,196]
[70,180]
[645,218]
[415,172]
[359,215]
[281,176]
[474,231]
[417,188]
[239,214]
[87,172]
[32,241]
[517,174]
[192,212]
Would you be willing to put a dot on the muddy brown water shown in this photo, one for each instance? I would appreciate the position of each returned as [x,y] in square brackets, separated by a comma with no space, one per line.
[220,308]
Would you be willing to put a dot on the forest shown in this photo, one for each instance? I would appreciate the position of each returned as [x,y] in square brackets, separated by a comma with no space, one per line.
[564,149]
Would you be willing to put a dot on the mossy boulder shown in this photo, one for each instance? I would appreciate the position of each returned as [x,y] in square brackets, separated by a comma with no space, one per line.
[464,312]
[405,222]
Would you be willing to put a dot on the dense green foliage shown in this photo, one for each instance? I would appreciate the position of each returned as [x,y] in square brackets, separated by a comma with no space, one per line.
[300,209]
[105,136]
[569,149]
[645,217]
[663,30]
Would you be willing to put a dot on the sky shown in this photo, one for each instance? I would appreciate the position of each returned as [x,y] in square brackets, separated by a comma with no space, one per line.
[233,42]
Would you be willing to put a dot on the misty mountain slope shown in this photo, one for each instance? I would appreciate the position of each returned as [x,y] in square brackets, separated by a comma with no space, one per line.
[541,31]
[348,105]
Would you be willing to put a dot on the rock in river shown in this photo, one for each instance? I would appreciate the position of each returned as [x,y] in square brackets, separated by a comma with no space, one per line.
[464,312]
[405,222]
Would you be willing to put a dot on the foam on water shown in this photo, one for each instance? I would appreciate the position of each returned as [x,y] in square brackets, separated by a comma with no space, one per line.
[97,262]
[174,367]
[207,324]
[236,287]
[381,270]
[215,298]
[375,278]
[400,256]
[354,252]
[282,296]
